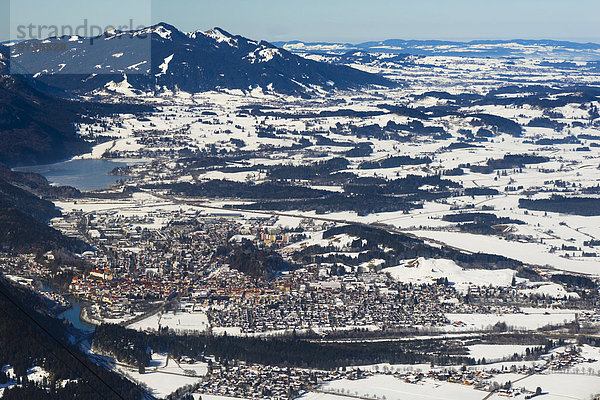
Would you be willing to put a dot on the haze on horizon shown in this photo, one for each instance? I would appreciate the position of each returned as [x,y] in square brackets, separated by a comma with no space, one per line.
[349,21]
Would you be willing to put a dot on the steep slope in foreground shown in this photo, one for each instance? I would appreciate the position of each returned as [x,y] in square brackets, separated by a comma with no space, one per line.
[162,57]
[34,344]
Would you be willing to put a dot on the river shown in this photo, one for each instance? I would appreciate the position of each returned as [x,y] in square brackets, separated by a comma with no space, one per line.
[73,313]
[82,174]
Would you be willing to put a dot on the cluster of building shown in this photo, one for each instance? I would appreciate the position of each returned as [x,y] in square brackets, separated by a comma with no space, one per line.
[525,294]
[155,256]
[297,300]
[254,381]
[568,358]
[118,298]
[136,266]
[25,266]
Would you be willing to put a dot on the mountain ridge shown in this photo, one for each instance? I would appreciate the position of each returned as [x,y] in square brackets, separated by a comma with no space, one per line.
[174,60]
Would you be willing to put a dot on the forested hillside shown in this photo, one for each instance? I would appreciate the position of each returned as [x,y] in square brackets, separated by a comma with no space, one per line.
[29,338]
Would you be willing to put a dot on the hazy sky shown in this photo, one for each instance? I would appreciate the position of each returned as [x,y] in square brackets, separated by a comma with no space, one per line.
[358,20]
[336,20]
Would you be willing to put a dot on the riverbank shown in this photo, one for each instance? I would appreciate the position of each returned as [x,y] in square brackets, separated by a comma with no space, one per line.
[84,315]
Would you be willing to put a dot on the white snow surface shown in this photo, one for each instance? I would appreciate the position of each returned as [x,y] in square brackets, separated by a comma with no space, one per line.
[428,271]
[165,65]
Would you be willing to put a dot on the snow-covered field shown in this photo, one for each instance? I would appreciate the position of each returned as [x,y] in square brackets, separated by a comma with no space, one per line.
[530,253]
[495,352]
[428,271]
[554,387]
[563,386]
[530,319]
[164,375]
[181,321]
[392,388]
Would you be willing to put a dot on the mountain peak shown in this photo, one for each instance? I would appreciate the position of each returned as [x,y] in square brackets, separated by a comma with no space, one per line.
[221,31]
[164,26]
[217,34]
[162,29]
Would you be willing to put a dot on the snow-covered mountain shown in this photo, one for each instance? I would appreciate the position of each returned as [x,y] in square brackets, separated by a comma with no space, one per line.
[162,57]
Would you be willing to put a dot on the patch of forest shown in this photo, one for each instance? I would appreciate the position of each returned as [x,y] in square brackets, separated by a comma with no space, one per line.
[371,195]
[545,122]
[362,204]
[498,124]
[477,217]
[551,142]
[509,161]
[395,162]
[480,223]
[586,206]
[241,190]
[361,195]
[411,184]
[321,170]
[254,262]
[291,351]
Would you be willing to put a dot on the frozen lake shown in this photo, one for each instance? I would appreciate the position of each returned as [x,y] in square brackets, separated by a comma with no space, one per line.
[85,174]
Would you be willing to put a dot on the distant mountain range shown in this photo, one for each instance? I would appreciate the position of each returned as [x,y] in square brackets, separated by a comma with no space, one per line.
[478,48]
[163,58]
